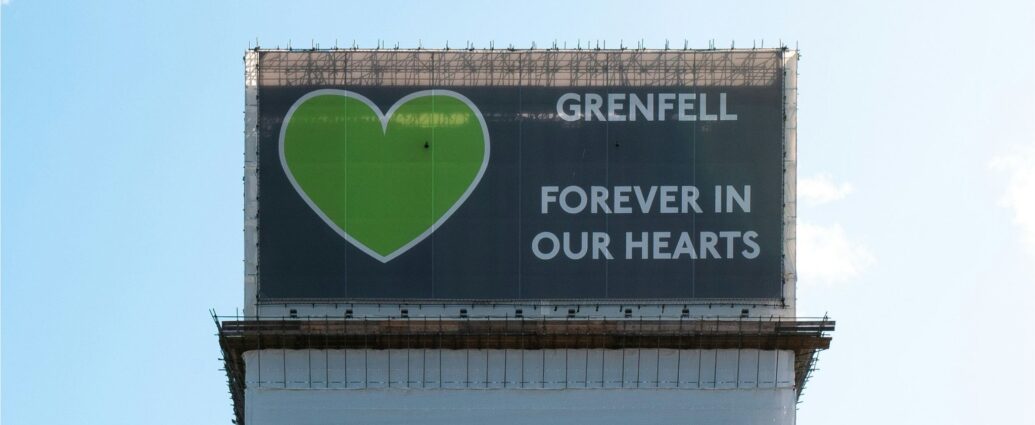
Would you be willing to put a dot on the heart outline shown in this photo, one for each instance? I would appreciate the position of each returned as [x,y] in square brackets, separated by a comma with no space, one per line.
[384,118]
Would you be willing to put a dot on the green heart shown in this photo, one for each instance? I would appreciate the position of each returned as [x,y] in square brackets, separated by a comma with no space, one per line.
[384,182]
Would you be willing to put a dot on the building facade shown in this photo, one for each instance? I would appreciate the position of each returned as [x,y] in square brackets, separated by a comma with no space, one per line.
[474,316]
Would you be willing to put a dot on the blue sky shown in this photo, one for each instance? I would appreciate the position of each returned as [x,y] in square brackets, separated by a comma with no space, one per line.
[121,189]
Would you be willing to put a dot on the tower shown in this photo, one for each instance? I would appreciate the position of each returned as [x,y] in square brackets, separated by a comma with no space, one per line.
[520,236]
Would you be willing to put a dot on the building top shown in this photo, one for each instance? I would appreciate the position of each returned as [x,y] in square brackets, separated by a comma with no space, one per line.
[512,67]
[806,337]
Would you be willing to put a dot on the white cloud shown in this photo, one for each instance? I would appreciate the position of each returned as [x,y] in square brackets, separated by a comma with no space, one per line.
[1019,194]
[826,255]
[822,189]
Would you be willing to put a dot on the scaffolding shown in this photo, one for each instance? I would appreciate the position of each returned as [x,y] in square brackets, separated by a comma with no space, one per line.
[456,68]
[502,68]
[587,68]
[805,337]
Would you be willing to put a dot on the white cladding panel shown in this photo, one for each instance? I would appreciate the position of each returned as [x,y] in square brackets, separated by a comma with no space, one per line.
[517,406]
[593,386]
[500,369]
[633,386]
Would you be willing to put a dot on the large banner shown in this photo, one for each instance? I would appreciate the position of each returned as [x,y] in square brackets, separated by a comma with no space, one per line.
[520,192]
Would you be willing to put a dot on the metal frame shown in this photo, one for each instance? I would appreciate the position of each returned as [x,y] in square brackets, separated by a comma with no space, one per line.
[512,67]
[251,181]
[790,178]
[545,68]
[806,337]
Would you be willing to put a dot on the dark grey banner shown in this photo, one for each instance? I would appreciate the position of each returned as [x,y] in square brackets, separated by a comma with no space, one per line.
[518,193]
